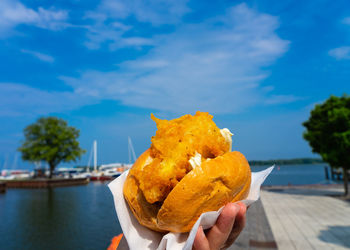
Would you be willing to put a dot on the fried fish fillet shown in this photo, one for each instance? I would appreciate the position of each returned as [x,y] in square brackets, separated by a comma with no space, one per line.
[175,143]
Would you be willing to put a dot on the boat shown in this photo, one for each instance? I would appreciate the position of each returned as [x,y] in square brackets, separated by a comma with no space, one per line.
[95,175]
[71,173]
[109,171]
[15,174]
[82,175]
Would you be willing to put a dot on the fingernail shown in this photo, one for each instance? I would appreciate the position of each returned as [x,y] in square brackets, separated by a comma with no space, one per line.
[236,207]
[243,206]
[201,232]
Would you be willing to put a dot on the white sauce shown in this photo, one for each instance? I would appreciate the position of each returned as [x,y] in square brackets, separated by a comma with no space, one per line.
[196,160]
[226,133]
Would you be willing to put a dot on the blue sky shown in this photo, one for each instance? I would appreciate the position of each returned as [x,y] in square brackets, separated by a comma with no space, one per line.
[258,66]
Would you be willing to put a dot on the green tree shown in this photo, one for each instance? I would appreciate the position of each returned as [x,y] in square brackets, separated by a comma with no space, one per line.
[328,133]
[50,139]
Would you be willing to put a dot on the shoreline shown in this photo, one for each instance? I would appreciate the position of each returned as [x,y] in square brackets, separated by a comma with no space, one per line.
[327,190]
[303,186]
[45,183]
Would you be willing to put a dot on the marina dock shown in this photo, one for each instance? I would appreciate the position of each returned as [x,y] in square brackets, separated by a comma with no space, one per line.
[45,183]
[297,218]
[257,233]
[2,187]
[308,218]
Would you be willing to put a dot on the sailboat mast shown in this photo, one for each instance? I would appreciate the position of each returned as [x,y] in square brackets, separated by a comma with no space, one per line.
[5,162]
[90,158]
[14,165]
[95,155]
[131,151]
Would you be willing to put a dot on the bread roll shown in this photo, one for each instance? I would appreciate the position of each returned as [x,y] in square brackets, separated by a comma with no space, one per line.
[208,186]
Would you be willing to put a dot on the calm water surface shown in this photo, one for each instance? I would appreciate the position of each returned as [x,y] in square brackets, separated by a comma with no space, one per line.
[78,217]
[83,217]
[294,174]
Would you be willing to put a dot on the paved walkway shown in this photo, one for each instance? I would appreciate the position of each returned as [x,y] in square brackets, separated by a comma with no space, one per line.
[307,218]
[295,218]
[257,234]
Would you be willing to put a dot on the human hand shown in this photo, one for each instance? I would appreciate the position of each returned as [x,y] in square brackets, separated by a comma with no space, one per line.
[228,226]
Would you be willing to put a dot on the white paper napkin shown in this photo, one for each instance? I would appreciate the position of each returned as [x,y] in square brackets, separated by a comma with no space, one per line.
[140,237]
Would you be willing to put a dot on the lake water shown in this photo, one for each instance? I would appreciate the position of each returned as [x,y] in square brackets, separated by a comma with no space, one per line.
[83,217]
[78,217]
[295,174]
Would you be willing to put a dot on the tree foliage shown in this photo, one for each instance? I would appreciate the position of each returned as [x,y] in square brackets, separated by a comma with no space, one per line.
[50,139]
[328,131]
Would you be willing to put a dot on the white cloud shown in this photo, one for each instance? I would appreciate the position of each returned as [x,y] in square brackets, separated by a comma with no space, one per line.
[153,11]
[21,100]
[340,53]
[346,20]
[343,52]
[278,99]
[131,42]
[110,33]
[216,65]
[99,34]
[108,27]
[13,13]
[40,56]
[144,64]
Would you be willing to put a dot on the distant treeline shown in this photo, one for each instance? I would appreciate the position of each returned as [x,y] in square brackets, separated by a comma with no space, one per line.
[296,161]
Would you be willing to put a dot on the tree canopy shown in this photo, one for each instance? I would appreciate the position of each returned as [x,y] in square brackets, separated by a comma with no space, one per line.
[328,131]
[50,139]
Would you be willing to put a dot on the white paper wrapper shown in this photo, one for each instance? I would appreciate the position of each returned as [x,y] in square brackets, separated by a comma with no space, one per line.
[140,237]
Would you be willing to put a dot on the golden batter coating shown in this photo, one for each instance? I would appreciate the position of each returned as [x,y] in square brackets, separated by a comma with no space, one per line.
[175,142]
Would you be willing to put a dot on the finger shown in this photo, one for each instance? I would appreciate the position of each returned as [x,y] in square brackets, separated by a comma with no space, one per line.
[201,241]
[238,225]
[240,218]
[219,233]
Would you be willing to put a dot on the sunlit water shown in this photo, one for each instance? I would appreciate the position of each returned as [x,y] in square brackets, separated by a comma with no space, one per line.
[83,217]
